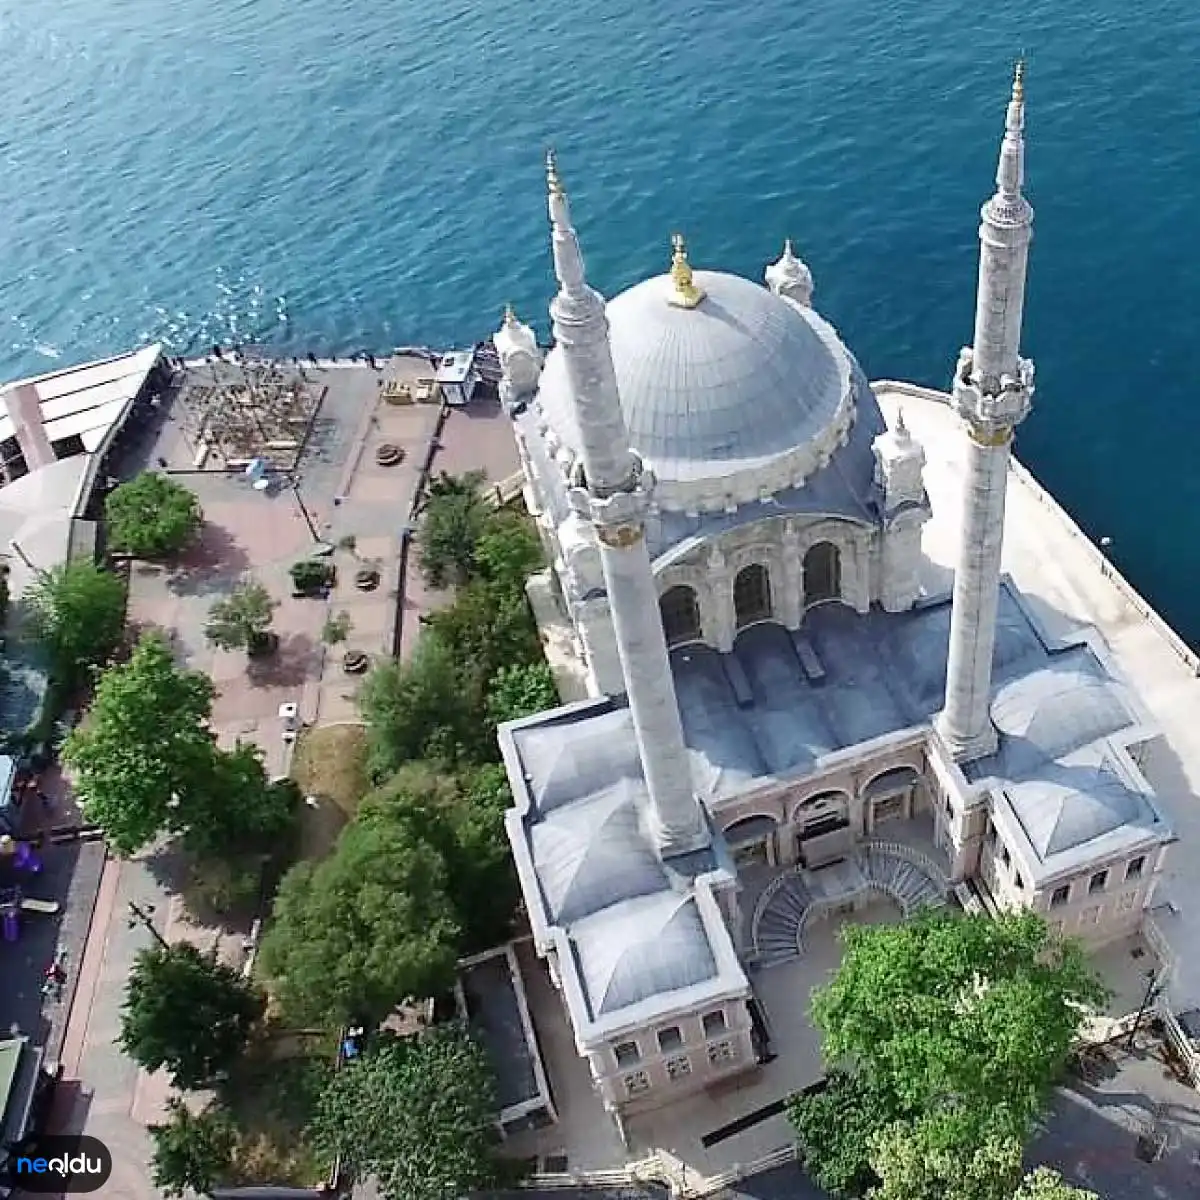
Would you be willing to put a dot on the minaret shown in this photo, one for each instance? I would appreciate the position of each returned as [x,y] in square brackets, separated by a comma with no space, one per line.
[993,387]
[614,491]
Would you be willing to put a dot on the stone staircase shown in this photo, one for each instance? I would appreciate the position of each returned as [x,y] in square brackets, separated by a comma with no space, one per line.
[791,899]
[897,872]
[779,920]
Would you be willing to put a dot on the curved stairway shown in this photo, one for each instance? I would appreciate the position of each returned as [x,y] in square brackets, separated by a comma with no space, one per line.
[779,920]
[909,883]
[900,872]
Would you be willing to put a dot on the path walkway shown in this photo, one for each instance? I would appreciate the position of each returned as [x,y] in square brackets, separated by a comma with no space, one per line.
[347,495]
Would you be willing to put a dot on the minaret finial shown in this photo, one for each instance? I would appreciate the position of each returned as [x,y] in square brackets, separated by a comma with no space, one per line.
[552,179]
[1018,88]
[510,317]
[685,294]
[789,251]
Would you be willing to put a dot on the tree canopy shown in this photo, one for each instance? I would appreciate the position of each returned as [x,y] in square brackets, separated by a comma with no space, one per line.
[187,1013]
[145,763]
[77,613]
[971,1018]
[151,516]
[936,1157]
[454,519]
[417,710]
[193,1152]
[417,1115]
[1045,1184]
[242,619]
[443,703]
[370,925]
[145,747]
[521,690]
[464,816]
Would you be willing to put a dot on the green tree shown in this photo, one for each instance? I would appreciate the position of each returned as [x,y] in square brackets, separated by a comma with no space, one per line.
[937,1157]
[417,1115]
[368,926]
[464,816]
[521,690]
[835,1127]
[508,550]
[145,749]
[240,810]
[487,627]
[192,1151]
[1045,1184]
[966,1015]
[77,613]
[151,516]
[242,620]
[187,1013]
[419,709]
[454,519]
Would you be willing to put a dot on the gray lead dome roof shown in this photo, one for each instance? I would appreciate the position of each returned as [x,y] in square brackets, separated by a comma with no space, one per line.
[739,379]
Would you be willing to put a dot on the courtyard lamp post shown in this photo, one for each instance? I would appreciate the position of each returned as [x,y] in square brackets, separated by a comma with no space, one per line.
[1153,987]
[145,918]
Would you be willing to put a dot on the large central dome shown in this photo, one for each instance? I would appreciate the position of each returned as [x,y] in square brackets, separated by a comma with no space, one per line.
[719,389]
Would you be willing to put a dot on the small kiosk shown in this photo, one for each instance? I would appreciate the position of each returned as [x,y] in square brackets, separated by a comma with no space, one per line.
[457,378]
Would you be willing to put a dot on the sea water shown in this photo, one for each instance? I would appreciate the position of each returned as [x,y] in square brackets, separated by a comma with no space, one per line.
[344,175]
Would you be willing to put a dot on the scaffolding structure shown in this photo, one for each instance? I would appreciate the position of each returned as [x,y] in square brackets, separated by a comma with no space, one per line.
[234,412]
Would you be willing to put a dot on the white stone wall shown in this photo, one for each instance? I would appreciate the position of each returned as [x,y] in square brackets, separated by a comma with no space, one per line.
[662,1076]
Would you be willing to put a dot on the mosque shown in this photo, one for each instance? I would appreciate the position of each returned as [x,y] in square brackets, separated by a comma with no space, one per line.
[783,720]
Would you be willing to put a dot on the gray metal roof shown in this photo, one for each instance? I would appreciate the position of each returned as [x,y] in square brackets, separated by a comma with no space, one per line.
[742,378]
[642,947]
[1069,804]
[594,853]
[1049,713]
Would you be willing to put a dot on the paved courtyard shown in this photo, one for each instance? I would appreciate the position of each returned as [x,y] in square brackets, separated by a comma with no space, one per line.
[362,509]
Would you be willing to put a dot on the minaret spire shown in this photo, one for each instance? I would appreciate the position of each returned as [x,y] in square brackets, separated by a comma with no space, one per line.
[992,393]
[613,491]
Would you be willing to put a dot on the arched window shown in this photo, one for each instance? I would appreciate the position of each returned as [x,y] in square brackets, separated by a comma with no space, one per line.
[680,615]
[822,573]
[752,595]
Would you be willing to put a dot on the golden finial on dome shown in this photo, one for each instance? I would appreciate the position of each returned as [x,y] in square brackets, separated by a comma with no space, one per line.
[1018,91]
[686,294]
[552,179]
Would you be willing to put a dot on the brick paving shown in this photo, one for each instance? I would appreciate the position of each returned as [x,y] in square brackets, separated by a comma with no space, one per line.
[347,495]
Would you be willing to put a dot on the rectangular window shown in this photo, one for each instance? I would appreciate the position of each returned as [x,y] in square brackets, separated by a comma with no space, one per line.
[1091,916]
[714,1023]
[1060,896]
[1005,857]
[1020,883]
[627,1053]
[1098,882]
[1136,867]
[1126,901]
[669,1039]
[637,1083]
[678,1067]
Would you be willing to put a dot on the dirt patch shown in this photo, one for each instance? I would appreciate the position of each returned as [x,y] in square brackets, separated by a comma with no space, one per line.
[271,1099]
[330,764]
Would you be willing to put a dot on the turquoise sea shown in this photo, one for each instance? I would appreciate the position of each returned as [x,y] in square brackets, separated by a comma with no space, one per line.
[341,175]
